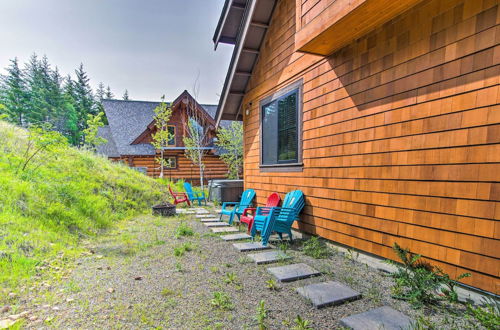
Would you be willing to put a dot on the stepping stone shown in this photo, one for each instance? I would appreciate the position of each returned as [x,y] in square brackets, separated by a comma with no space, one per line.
[328,293]
[209,219]
[204,215]
[384,317]
[250,246]
[235,237]
[225,230]
[216,224]
[268,257]
[293,272]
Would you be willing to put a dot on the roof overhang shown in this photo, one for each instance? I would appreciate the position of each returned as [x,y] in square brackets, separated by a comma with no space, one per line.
[246,29]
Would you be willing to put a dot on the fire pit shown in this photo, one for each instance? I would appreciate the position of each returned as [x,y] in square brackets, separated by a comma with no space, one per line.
[164,210]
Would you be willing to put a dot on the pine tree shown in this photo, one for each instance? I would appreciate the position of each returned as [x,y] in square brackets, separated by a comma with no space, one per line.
[109,94]
[37,108]
[13,95]
[84,101]
[74,134]
[125,95]
[100,92]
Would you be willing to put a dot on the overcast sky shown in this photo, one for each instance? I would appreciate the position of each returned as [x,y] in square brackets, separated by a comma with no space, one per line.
[150,47]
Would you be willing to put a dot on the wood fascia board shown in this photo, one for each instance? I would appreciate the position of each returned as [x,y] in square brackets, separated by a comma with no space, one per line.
[236,57]
[344,21]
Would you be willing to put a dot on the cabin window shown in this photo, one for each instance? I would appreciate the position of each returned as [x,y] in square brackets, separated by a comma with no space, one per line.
[280,117]
[171,162]
[171,131]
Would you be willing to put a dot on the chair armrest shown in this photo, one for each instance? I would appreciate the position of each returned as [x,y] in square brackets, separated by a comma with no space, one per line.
[263,210]
[228,204]
[246,210]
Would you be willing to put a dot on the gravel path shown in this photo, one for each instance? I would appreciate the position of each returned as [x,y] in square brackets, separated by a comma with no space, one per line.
[131,279]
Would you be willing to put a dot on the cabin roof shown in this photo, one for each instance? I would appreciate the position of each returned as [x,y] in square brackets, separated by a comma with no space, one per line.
[243,24]
[128,120]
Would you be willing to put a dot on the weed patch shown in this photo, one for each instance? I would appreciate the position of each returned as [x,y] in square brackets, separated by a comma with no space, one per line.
[316,248]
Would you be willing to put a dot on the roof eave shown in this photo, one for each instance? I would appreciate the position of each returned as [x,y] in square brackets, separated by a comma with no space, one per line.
[253,8]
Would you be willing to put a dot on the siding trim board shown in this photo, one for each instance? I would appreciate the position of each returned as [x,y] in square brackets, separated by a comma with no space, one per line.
[400,132]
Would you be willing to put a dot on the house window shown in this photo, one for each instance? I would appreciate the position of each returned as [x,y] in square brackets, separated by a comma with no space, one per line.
[171,131]
[280,115]
[171,162]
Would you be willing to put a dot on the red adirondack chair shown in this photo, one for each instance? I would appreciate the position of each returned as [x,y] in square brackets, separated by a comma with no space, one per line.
[179,197]
[273,200]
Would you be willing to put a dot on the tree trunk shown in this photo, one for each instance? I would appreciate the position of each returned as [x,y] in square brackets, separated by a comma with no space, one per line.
[161,164]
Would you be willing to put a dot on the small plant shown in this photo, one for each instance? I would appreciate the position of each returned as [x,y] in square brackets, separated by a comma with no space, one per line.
[316,248]
[221,300]
[422,323]
[272,285]
[261,315]
[167,292]
[180,250]
[488,314]
[352,255]
[244,260]
[231,278]
[301,324]
[178,267]
[449,290]
[214,269]
[418,281]
[283,246]
[183,230]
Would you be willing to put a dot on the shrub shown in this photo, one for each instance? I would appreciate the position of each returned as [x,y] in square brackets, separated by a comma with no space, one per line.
[417,281]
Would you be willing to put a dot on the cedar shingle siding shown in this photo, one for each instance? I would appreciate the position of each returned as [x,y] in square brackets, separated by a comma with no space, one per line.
[401,133]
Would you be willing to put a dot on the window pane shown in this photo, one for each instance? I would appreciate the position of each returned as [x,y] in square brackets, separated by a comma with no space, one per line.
[269,133]
[287,127]
[171,131]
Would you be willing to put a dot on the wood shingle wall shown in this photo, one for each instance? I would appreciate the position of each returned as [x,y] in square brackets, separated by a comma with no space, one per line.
[401,134]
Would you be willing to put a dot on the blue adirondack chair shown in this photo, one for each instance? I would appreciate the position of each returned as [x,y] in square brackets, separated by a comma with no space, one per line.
[238,208]
[278,219]
[194,196]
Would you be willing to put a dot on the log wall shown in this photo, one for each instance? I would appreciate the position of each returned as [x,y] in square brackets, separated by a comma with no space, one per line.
[214,167]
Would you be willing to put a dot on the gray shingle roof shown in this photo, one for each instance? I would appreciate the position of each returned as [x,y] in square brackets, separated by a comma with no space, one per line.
[109,148]
[127,120]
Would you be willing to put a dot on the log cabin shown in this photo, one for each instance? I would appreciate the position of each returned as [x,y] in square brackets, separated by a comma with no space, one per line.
[129,134]
[385,113]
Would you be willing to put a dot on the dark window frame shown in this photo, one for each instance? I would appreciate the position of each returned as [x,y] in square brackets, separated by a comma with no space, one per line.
[283,166]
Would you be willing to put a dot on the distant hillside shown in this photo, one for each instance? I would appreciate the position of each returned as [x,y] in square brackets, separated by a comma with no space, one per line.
[62,195]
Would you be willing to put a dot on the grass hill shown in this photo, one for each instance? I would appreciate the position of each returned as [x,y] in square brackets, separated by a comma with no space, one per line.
[53,195]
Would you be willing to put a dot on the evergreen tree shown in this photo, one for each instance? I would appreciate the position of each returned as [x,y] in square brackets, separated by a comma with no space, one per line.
[125,95]
[100,92]
[109,94]
[74,134]
[13,94]
[84,101]
[36,107]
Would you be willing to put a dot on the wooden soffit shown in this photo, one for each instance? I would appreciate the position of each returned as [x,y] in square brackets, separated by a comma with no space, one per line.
[344,21]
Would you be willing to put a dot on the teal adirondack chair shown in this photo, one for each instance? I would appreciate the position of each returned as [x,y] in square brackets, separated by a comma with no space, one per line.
[194,196]
[238,208]
[278,219]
